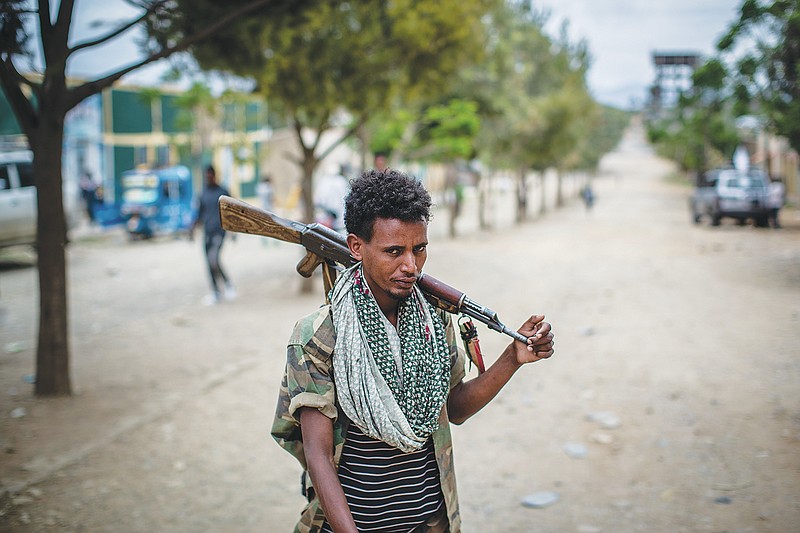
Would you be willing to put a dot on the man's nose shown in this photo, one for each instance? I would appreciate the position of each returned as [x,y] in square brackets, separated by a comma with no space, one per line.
[409,265]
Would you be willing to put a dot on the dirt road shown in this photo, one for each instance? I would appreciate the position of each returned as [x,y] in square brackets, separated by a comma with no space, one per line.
[672,404]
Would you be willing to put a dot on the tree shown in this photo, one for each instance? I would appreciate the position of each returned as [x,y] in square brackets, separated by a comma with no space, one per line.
[700,133]
[766,76]
[446,134]
[343,62]
[540,92]
[40,103]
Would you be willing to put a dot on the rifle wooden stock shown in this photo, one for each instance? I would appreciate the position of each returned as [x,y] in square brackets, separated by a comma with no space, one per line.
[327,247]
[242,217]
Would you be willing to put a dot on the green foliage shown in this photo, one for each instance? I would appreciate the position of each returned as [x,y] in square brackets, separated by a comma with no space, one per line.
[448,131]
[387,130]
[358,56]
[338,64]
[700,133]
[13,38]
[531,91]
[602,131]
[766,77]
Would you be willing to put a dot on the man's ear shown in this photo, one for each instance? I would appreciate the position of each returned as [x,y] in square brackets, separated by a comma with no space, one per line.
[355,243]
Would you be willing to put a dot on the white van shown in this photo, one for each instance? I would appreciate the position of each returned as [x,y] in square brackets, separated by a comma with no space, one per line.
[17,199]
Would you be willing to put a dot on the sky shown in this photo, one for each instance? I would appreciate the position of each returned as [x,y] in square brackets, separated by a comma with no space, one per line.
[621,34]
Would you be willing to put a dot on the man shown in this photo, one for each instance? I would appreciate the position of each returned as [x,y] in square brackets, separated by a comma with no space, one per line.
[373,379]
[381,161]
[776,198]
[329,197]
[208,214]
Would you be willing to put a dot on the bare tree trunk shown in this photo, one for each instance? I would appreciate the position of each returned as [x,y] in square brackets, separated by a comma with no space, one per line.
[309,163]
[559,185]
[52,354]
[522,195]
[542,193]
[453,197]
[481,184]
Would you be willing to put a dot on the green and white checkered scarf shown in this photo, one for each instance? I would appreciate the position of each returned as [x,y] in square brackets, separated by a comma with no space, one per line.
[396,401]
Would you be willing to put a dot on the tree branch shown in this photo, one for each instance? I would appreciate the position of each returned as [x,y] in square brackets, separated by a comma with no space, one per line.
[45,28]
[19,79]
[77,94]
[122,29]
[291,157]
[349,133]
[45,23]
[321,127]
[298,129]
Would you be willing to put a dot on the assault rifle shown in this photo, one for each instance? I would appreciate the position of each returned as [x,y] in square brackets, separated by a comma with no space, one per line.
[328,248]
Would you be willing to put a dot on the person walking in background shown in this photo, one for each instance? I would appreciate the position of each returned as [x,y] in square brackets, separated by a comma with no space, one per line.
[208,215]
[373,380]
[88,195]
[329,199]
[776,197]
[264,193]
[381,161]
[587,195]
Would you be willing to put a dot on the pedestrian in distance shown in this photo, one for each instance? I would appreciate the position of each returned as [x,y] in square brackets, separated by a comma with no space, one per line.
[381,161]
[265,193]
[587,195]
[374,379]
[214,235]
[329,195]
[88,195]
[776,198]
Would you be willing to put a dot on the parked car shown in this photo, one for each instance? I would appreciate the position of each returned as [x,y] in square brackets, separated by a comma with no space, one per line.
[731,193]
[17,199]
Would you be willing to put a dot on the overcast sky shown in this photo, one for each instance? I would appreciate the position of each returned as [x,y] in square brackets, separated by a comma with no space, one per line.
[622,34]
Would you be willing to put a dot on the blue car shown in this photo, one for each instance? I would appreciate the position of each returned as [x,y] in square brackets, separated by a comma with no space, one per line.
[157,202]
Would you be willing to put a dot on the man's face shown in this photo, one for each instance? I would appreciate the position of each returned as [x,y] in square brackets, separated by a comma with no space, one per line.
[392,259]
[211,177]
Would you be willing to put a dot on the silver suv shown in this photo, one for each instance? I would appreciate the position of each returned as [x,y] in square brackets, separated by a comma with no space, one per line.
[731,193]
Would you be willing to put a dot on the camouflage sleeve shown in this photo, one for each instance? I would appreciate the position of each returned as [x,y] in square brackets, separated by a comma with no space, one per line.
[457,356]
[307,381]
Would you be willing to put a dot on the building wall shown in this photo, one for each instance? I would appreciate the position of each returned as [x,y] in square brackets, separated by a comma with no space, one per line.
[124,127]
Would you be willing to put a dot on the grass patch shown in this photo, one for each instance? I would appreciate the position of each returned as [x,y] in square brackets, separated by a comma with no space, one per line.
[679,178]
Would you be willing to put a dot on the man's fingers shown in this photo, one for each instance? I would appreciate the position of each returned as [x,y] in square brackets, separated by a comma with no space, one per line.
[545,343]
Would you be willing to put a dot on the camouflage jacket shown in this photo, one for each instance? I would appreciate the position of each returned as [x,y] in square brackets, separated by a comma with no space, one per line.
[309,382]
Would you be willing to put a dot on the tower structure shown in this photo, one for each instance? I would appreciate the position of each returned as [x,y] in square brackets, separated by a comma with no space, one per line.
[673,76]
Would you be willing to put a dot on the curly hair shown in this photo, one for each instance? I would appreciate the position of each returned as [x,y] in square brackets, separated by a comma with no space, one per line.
[384,194]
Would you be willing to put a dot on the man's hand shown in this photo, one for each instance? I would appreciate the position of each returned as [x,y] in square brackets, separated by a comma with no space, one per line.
[469,397]
[540,340]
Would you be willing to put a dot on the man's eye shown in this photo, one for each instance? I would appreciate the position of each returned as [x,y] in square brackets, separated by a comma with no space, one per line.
[421,249]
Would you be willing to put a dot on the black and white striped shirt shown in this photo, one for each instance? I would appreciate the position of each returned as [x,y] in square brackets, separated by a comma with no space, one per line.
[388,490]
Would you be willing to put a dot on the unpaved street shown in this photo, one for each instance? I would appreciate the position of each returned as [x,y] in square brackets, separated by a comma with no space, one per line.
[672,403]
